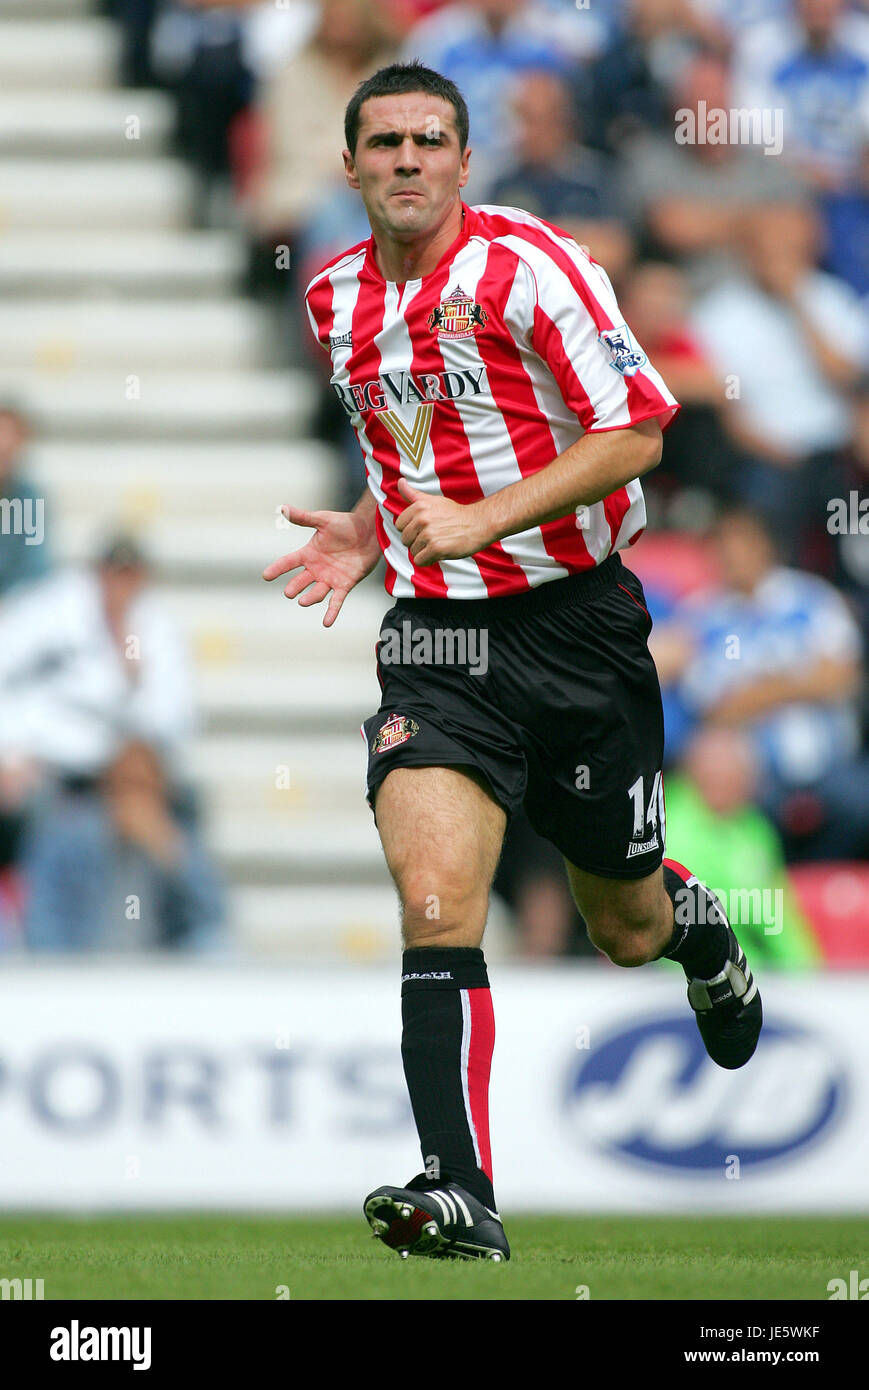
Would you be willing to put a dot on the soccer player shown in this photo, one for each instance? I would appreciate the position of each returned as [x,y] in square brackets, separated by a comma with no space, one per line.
[505,414]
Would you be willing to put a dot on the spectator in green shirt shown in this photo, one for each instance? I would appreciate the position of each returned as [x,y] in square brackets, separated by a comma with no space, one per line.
[734,850]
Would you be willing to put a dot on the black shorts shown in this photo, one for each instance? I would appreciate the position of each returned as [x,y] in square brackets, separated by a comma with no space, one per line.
[551,695]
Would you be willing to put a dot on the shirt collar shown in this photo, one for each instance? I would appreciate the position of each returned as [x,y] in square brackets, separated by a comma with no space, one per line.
[371,270]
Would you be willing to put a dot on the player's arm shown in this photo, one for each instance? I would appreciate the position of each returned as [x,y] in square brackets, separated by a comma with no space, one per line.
[436,528]
[342,551]
[585,473]
[827,680]
[562,306]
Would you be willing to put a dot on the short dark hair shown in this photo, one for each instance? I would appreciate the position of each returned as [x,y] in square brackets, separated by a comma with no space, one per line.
[735,513]
[122,552]
[396,79]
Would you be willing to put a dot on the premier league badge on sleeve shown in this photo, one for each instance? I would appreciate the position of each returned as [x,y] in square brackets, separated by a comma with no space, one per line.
[624,353]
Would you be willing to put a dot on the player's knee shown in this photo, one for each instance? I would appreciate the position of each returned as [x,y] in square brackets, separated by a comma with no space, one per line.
[459,934]
[437,912]
[459,929]
[629,939]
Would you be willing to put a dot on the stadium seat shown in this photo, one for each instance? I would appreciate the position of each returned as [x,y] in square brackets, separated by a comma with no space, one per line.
[835,898]
[675,563]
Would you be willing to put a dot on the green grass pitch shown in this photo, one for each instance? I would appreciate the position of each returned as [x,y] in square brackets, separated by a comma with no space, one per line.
[323,1257]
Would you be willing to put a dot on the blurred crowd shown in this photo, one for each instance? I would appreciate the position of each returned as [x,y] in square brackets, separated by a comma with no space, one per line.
[99,846]
[713,155]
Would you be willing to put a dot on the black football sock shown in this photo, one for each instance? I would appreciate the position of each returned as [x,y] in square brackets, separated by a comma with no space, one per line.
[448,1035]
[699,942]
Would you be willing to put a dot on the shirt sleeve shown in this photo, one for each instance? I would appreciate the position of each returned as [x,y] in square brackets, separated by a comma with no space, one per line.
[832,629]
[322,338]
[577,328]
[837,314]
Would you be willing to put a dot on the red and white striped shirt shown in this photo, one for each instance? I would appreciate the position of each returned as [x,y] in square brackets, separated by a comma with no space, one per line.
[480,374]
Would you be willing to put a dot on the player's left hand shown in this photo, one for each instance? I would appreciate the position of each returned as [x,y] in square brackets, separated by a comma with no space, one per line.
[436,528]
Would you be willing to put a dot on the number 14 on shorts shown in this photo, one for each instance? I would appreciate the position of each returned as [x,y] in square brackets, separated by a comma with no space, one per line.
[654,814]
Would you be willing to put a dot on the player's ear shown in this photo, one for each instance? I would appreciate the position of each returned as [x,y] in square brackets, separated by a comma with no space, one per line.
[350,169]
[464,171]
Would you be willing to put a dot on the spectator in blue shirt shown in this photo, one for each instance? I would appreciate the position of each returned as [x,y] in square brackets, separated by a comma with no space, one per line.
[777,653]
[814,66]
[624,91]
[845,214]
[484,46]
[558,179]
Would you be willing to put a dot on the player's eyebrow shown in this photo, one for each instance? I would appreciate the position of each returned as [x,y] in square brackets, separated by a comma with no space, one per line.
[394,137]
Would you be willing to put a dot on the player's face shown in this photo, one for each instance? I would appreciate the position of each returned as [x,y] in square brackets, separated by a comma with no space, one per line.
[745,553]
[408,165]
[820,16]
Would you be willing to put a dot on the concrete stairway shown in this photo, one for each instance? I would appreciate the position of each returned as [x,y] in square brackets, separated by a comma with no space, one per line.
[158,406]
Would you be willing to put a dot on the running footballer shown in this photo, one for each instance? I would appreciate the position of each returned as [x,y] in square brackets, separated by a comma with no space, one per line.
[506,414]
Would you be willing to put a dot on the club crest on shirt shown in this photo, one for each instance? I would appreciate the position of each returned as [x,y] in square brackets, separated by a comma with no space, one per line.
[457,316]
[397,729]
[624,353]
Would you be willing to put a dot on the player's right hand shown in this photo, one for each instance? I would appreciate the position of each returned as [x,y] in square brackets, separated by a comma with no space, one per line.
[342,551]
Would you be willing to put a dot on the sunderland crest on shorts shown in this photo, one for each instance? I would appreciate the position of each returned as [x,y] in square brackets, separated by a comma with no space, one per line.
[457,316]
[397,729]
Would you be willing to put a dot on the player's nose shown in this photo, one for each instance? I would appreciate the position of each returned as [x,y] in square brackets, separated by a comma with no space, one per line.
[407,156]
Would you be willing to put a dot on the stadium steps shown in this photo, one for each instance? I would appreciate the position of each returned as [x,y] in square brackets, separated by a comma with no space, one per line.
[184,264]
[137,335]
[124,124]
[360,921]
[181,545]
[288,694]
[269,848]
[123,405]
[193,479]
[157,404]
[264,626]
[56,54]
[280,774]
[355,922]
[100,195]
[44,9]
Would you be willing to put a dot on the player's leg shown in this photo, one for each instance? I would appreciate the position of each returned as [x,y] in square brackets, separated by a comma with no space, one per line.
[596,743]
[442,830]
[630,920]
[670,913]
